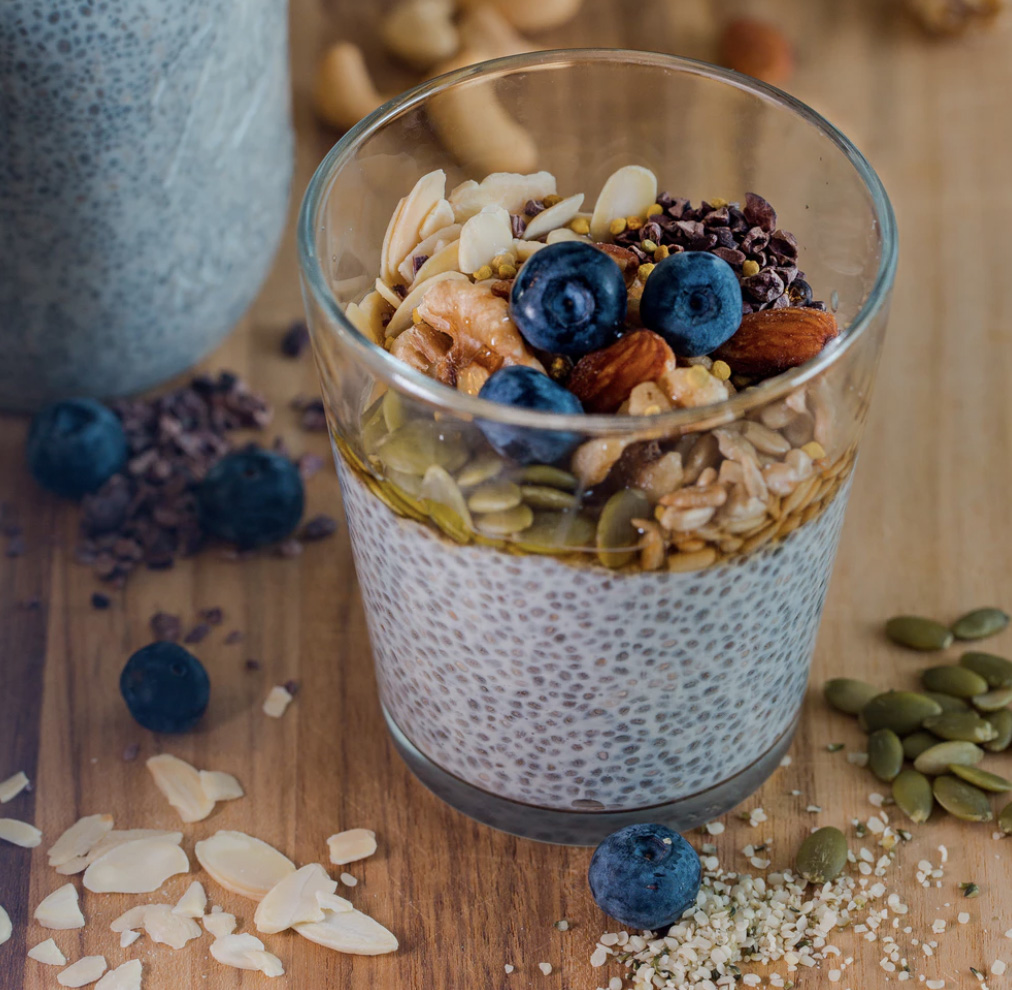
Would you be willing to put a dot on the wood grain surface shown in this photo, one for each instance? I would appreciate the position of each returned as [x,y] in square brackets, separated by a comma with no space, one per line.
[929,530]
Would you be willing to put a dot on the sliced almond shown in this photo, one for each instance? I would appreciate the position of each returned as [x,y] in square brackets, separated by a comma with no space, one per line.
[48,953]
[220,924]
[404,229]
[169,929]
[483,236]
[220,786]
[246,952]
[333,902]
[277,701]
[403,317]
[79,839]
[527,249]
[445,260]
[13,786]
[115,838]
[137,867]
[5,925]
[554,217]
[561,234]
[432,244]
[193,902]
[83,972]
[388,294]
[60,911]
[134,917]
[180,783]
[293,900]
[128,938]
[20,833]
[242,864]
[350,931]
[626,193]
[510,190]
[440,217]
[351,845]
[125,977]
[367,316]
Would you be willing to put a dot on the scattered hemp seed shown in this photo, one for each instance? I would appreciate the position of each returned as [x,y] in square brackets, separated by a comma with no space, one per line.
[545,968]
[970,889]
[562,925]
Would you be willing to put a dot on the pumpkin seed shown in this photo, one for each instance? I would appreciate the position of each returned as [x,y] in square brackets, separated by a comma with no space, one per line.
[970,889]
[848,695]
[961,800]
[422,443]
[901,711]
[554,531]
[483,468]
[546,497]
[448,521]
[983,779]
[409,484]
[545,474]
[980,623]
[949,702]
[912,794]
[374,427]
[438,486]
[885,754]
[917,633]
[942,755]
[961,726]
[957,681]
[507,522]
[822,856]
[1005,819]
[1002,722]
[494,496]
[616,535]
[997,671]
[395,415]
[992,701]
[917,743]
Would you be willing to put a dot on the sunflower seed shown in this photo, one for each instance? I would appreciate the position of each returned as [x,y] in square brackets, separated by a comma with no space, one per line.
[494,496]
[941,756]
[949,702]
[1002,722]
[961,726]
[917,633]
[547,497]
[912,794]
[980,623]
[983,779]
[997,671]
[961,800]
[822,856]
[957,681]
[917,743]
[885,754]
[507,522]
[993,701]
[901,711]
[616,535]
[848,695]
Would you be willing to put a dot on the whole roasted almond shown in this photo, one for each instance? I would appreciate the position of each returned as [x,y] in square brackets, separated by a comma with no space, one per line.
[757,49]
[602,380]
[774,340]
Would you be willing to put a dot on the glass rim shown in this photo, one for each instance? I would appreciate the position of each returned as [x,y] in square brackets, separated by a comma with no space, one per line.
[406,379]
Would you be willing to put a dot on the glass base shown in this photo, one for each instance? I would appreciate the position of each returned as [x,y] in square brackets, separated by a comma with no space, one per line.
[575,828]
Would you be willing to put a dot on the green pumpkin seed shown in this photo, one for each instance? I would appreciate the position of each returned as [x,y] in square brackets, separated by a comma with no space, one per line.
[901,711]
[552,532]
[822,856]
[409,484]
[917,633]
[545,474]
[439,486]
[483,468]
[1005,819]
[912,794]
[942,755]
[961,726]
[848,695]
[494,496]
[448,521]
[546,497]
[885,754]
[616,535]
[374,427]
[395,414]
[422,443]
[949,702]
[993,701]
[917,743]
[980,623]
[1002,722]
[957,681]
[983,779]
[997,671]
[507,522]
[961,800]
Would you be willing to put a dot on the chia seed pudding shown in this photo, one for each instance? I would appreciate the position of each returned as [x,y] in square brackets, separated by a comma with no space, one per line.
[145,164]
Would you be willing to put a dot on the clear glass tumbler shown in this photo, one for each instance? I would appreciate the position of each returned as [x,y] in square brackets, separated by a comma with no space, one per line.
[578,662]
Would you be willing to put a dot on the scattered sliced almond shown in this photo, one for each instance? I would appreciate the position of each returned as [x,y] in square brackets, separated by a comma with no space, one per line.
[350,931]
[180,783]
[399,322]
[293,900]
[13,786]
[133,918]
[246,952]
[351,846]
[439,218]
[278,699]
[243,864]
[83,972]
[388,295]
[79,839]
[447,259]
[431,245]
[128,938]
[48,953]
[112,839]
[561,234]
[527,249]
[5,925]
[404,229]
[626,193]
[125,977]
[220,924]
[170,929]
[554,217]
[137,867]
[510,190]
[220,786]
[483,236]
[60,911]
[20,833]
[193,901]
[333,902]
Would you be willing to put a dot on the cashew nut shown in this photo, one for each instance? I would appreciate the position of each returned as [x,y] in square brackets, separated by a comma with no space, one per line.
[421,32]
[537,15]
[483,26]
[343,92]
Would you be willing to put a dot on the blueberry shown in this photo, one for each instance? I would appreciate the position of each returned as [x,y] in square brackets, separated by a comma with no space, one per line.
[645,876]
[693,300]
[569,298]
[518,385]
[75,447]
[251,497]
[165,687]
